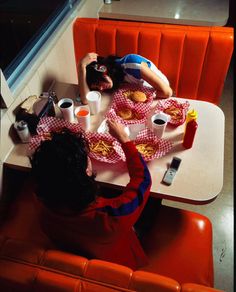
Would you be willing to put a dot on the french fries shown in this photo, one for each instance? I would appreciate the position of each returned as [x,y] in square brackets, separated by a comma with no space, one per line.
[102,148]
[146,149]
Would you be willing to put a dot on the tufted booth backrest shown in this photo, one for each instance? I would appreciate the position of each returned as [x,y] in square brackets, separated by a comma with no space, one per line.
[195,59]
[27,267]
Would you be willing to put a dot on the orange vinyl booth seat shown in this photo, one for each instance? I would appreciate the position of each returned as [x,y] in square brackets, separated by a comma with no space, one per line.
[179,249]
[28,267]
[194,59]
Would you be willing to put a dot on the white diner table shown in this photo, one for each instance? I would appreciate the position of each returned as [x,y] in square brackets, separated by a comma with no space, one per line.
[183,12]
[199,178]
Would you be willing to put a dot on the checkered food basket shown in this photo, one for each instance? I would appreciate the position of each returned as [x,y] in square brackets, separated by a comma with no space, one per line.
[177,110]
[124,93]
[105,148]
[150,146]
[47,125]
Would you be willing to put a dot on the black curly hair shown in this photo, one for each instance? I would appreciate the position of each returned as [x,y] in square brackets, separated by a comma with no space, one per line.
[113,70]
[59,169]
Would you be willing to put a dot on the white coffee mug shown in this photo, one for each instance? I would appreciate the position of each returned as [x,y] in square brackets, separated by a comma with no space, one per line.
[82,114]
[66,105]
[159,122]
[94,101]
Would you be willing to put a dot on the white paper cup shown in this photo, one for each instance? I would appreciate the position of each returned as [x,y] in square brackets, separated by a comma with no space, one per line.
[94,101]
[66,106]
[82,114]
[159,122]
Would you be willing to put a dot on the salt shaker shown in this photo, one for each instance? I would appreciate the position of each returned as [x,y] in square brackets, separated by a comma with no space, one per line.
[22,131]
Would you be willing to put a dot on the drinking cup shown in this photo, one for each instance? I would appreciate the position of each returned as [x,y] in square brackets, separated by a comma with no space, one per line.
[94,101]
[82,114]
[66,105]
[159,122]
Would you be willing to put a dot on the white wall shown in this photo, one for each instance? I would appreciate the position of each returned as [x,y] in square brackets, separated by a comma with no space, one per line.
[56,62]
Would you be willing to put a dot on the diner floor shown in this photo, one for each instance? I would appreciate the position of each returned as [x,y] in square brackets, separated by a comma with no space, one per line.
[220,211]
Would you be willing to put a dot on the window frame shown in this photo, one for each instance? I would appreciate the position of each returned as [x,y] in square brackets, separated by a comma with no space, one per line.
[14,71]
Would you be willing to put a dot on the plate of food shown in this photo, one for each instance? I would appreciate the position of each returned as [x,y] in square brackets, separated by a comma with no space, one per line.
[177,110]
[104,147]
[150,146]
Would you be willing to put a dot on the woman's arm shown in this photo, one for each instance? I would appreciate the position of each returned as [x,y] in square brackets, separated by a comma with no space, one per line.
[83,86]
[163,90]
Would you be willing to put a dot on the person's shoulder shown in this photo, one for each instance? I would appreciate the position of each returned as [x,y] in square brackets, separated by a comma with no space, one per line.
[134,58]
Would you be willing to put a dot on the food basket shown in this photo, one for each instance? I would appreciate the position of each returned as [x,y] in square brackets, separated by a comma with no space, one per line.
[104,147]
[124,94]
[150,146]
[47,125]
[177,110]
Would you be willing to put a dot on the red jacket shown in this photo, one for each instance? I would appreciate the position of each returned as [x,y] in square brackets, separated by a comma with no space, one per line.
[104,230]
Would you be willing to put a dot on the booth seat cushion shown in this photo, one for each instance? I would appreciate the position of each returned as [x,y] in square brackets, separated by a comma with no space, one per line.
[27,267]
[24,267]
[192,287]
[180,245]
[28,258]
[194,59]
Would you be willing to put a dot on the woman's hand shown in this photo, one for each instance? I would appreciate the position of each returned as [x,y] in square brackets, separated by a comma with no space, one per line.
[117,130]
[87,59]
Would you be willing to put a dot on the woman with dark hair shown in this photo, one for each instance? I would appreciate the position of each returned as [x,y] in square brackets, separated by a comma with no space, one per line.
[71,209]
[105,73]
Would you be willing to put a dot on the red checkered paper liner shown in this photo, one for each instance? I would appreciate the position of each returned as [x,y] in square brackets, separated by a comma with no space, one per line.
[112,115]
[47,125]
[164,104]
[115,156]
[147,136]
[120,97]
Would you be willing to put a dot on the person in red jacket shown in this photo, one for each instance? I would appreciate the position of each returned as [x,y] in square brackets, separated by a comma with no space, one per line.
[72,212]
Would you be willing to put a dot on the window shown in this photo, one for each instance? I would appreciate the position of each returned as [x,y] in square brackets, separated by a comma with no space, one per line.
[24,27]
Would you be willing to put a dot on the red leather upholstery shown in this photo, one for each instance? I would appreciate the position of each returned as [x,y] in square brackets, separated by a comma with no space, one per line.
[191,287]
[24,267]
[194,59]
[185,239]
[179,248]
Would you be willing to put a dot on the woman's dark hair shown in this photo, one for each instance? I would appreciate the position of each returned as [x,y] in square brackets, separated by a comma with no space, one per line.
[59,169]
[114,71]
